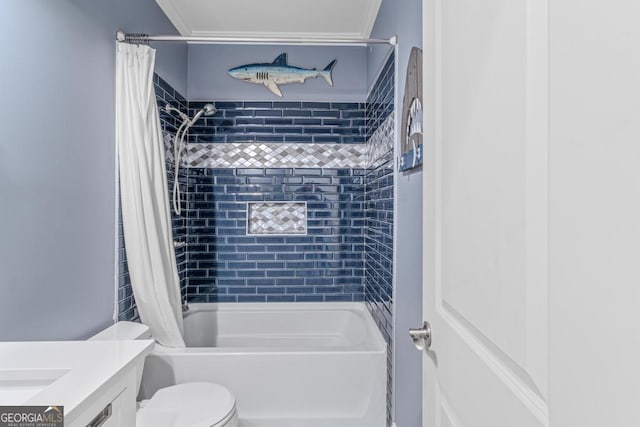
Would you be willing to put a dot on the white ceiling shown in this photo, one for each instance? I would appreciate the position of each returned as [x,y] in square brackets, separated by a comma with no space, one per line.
[273,18]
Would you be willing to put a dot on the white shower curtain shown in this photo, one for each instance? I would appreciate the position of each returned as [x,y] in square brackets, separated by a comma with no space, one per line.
[145,206]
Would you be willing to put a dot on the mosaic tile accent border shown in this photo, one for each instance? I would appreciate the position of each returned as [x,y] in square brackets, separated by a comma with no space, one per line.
[381,142]
[167,137]
[288,155]
[276,218]
[275,155]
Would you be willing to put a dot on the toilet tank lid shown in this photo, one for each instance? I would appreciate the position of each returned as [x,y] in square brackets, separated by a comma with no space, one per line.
[124,330]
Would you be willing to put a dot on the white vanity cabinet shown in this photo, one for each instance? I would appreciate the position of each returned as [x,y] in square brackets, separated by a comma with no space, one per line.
[115,407]
[95,381]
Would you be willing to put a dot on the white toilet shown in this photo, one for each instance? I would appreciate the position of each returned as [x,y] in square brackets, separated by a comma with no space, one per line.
[197,404]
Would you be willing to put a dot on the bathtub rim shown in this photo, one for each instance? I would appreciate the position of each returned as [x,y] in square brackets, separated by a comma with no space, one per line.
[375,343]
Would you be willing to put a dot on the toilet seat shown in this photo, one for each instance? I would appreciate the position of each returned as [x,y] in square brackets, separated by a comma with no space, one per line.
[188,405]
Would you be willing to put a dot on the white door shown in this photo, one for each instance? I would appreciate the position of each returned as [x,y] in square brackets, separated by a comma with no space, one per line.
[532,213]
[486,228]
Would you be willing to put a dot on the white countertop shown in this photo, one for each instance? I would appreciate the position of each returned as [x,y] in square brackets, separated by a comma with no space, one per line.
[63,372]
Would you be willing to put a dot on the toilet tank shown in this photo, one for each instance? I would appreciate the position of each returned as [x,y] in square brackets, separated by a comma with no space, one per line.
[122,331]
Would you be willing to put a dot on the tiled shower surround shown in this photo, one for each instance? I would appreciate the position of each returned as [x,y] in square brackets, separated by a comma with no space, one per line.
[227,265]
[346,252]
[379,209]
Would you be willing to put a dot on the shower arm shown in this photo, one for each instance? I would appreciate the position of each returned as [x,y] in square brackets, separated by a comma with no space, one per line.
[169,109]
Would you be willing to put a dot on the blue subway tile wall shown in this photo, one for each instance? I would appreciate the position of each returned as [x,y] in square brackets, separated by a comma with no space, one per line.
[379,208]
[381,100]
[226,265]
[170,123]
[379,254]
[127,309]
[299,122]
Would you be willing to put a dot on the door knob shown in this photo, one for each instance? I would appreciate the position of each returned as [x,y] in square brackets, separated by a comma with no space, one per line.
[421,337]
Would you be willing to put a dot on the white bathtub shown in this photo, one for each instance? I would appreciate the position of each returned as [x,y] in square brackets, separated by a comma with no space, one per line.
[289,365]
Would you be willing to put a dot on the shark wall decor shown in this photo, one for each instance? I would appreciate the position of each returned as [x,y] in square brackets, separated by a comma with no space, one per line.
[279,72]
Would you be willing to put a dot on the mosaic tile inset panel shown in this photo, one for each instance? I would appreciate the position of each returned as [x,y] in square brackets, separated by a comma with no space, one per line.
[276,218]
[283,155]
[381,143]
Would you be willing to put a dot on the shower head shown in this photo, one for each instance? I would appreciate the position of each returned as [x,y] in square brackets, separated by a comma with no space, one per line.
[207,110]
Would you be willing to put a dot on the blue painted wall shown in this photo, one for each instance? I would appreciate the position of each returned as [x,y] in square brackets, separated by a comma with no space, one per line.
[208,78]
[57,173]
[404,18]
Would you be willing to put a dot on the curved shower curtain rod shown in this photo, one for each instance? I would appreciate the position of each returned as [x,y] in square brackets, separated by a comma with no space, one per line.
[146,38]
